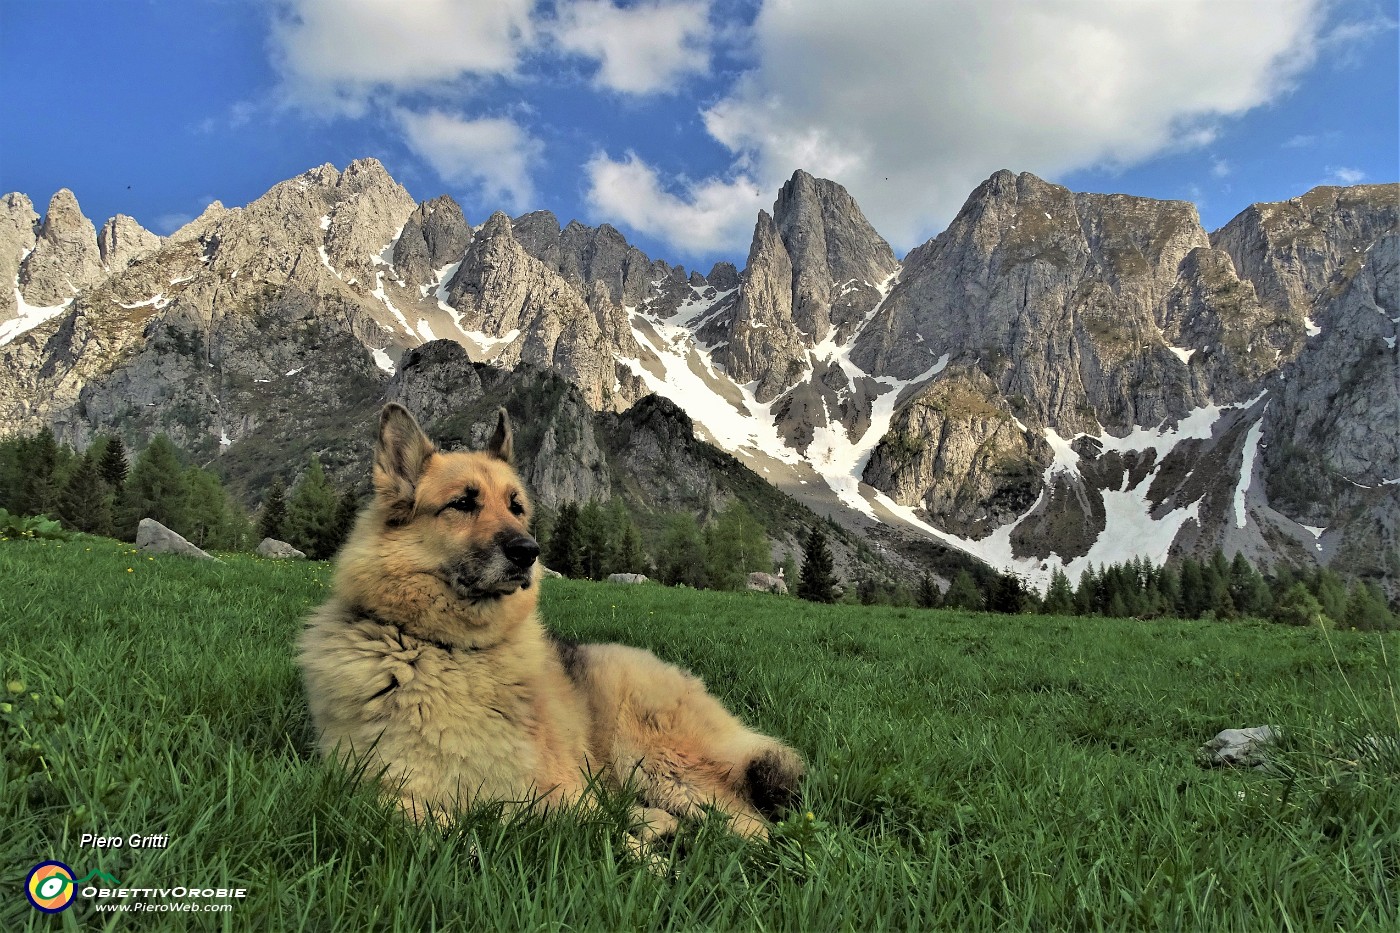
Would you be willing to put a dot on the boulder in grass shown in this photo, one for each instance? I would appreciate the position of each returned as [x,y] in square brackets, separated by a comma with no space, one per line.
[546,572]
[767,583]
[627,578]
[1235,748]
[278,550]
[154,538]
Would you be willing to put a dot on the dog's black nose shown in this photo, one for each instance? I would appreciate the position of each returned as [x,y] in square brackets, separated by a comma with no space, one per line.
[521,551]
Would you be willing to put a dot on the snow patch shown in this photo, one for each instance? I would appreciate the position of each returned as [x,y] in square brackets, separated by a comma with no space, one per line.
[1313,329]
[1251,450]
[425,330]
[30,316]
[1181,354]
[155,301]
[381,359]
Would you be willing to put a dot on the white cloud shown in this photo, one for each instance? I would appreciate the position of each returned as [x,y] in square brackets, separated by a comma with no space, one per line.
[338,54]
[641,49]
[1341,175]
[911,104]
[493,154]
[710,216]
[1220,168]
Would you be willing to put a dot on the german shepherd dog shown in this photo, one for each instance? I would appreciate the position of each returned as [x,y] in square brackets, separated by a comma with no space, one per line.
[429,664]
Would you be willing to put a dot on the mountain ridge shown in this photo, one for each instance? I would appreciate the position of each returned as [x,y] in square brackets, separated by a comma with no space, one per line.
[1052,369]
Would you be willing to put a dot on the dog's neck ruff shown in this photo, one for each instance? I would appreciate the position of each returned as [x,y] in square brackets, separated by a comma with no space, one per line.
[360,612]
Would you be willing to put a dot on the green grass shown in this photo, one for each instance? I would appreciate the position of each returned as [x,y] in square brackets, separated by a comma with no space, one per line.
[967,771]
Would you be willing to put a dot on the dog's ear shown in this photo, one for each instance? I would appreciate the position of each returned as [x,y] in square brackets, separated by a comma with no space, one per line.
[399,457]
[502,446]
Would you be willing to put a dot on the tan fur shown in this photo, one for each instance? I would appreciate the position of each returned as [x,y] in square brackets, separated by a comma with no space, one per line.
[430,663]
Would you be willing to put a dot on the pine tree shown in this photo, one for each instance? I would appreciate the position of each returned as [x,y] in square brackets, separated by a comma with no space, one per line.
[818,582]
[682,558]
[630,556]
[1170,590]
[964,593]
[1086,597]
[1248,591]
[788,571]
[311,514]
[735,546]
[39,464]
[1366,610]
[1008,594]
[85,503]
[1059,598]
[272,523]
[563,554]
[207,509]
[595,551]
[1194,598]
[1330,592]
[154,489]
[346,511]
[113,465]
[1299,607]
[11,474]
[927,595]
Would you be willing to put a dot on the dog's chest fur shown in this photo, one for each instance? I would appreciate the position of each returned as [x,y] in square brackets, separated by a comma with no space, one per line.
[453,725]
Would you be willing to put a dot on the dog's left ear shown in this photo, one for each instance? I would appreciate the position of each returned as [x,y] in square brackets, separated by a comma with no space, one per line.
[501,446]
[399,458]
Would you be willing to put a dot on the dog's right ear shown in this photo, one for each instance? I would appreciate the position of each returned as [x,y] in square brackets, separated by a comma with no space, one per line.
[399,458]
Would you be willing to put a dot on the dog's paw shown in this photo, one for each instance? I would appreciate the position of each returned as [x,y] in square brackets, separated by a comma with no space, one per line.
[771,780]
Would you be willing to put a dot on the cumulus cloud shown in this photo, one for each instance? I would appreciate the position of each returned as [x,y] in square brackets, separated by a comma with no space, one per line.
[911,104]
[339,54]
[492,154]
[705,217]
[641,49]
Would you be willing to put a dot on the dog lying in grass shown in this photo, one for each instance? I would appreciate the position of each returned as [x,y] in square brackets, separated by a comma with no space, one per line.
[429,664]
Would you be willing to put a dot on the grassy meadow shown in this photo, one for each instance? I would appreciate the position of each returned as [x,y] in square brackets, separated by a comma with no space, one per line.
[967,771]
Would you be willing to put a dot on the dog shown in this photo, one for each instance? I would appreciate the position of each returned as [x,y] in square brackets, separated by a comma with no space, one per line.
[429,664]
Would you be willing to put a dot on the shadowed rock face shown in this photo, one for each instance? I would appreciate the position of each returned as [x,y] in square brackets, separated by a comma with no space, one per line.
[955,381]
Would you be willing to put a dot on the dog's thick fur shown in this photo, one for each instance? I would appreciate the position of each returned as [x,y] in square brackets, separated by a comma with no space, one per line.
[430,664]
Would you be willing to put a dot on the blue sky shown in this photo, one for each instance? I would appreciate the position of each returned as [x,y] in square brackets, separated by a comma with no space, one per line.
[676,120]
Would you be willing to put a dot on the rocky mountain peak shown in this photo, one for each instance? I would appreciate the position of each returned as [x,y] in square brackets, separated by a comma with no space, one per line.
[19,230]
[65,256]
[1293,251]
[122,240]
[839,262]
[586,257]
[207,218]
[435,236]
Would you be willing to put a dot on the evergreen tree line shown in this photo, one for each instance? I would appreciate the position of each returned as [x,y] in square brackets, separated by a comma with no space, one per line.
[102,492]
[1216,588]
[593,540]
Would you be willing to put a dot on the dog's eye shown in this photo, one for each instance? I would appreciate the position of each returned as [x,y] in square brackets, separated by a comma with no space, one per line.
[516,506]
[466,502]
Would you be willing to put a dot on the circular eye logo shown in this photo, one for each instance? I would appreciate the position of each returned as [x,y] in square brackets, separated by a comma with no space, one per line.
[50,887]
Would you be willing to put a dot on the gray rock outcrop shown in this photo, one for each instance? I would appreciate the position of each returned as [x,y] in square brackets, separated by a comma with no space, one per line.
[154,538]
[18,234]
[122,240]
[1234,748]
[277,550]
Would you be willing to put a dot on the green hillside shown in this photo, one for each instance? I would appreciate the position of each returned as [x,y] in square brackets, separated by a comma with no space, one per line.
[967,771]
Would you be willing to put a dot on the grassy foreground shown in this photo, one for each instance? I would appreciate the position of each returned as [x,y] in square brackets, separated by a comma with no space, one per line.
[967,771]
